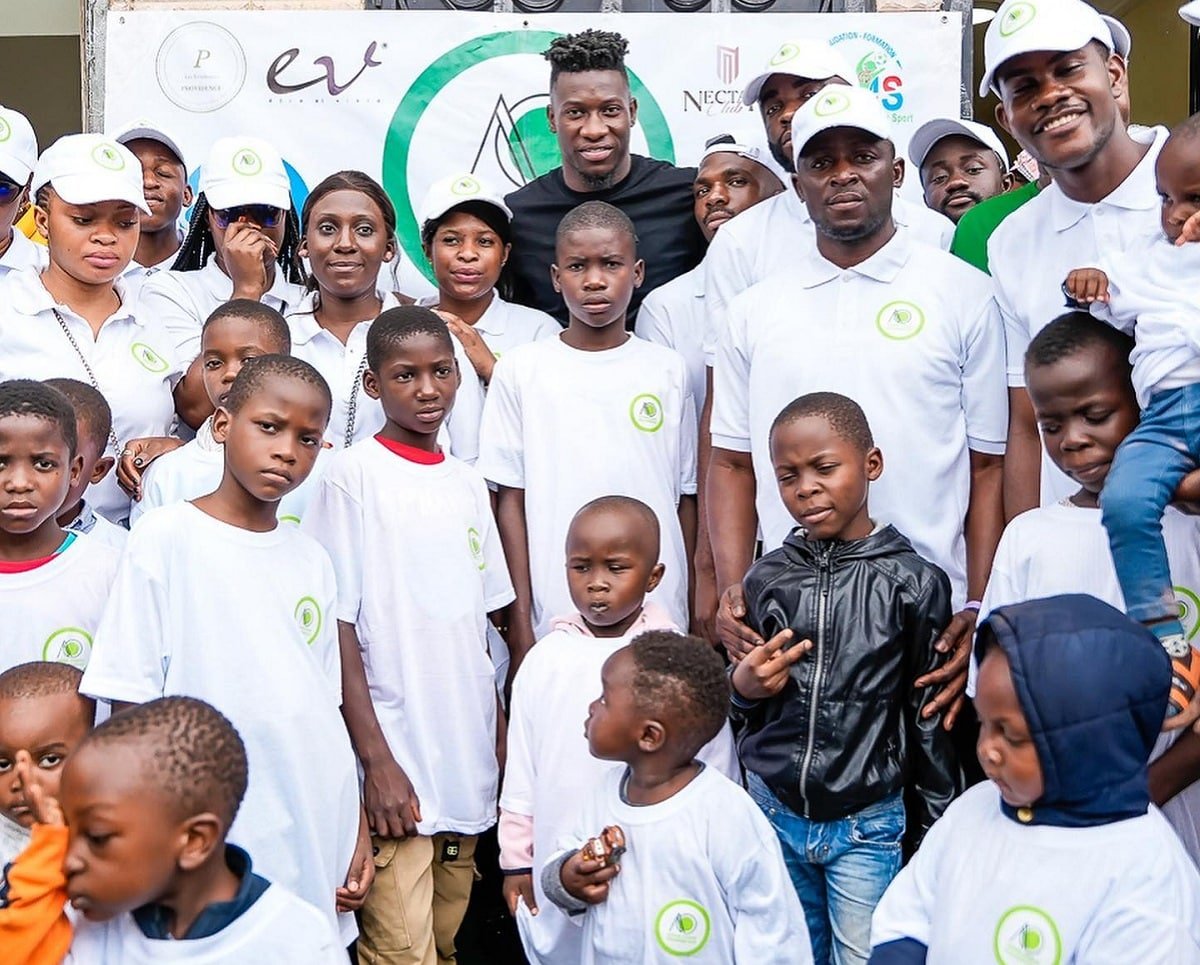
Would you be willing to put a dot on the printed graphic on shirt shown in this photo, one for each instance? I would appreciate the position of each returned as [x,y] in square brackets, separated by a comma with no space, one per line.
[1019,15]
[1189,610]
[71,645]
[646,412]
[308,618]
[1027,935]
[475,543]
[900,320]
[149,359]
[682,927]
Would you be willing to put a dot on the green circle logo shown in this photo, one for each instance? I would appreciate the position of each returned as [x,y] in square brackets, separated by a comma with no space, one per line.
[516,131]
[1026,935]
[108,156]
[475,545]
[147,358]
[783,55]
[308,619]
[1189,610]
[682,927]
[5,130]
[831,102]
[899,320]
[247,163]
[1021,14]
[465,187]
[646,412]
[71,645]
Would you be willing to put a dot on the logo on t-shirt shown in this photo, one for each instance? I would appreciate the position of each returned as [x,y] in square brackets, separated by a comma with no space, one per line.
[475,545]
[147,358]
[1017,16]
[1027,935]
[72,645]
[646,412]
[831,102]
[108,156]
[899,320]
[1189,610]
[308,619]
[247,163]
[682,927]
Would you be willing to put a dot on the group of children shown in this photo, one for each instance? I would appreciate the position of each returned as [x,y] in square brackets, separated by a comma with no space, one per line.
[309,584]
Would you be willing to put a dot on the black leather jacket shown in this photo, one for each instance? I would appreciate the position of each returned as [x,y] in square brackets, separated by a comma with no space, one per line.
[846,730]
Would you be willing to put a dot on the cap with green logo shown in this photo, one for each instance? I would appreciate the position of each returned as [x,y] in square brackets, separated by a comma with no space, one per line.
[1025,26]
[458,189]
[90,168]
[809,59]
[839,106]
[18,146]
[244,170]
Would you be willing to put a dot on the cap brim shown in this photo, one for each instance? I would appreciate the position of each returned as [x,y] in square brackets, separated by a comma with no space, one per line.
[927,136]
[753,89]
[1190,13]
[233,195]
[798,149]
[14,168]
[1056,42]
[1121,38]
[93,189]
[439,210]
[150,134]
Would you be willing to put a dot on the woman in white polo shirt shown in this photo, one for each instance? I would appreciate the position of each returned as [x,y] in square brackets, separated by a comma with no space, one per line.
[18,155]
[72,319]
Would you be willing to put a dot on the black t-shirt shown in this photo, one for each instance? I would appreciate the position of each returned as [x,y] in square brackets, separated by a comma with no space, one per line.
[656,196]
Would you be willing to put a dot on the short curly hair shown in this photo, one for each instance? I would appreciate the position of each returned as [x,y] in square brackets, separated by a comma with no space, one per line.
[845,417]
[257,372]
[27,397]
[1071,333]
[395,326]
[680,680]
[93,414]
[586,50]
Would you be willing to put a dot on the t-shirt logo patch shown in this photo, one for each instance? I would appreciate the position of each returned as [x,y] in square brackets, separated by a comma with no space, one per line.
[71,645]
[899,320]
[682,927]
[465,186]
[1027,935]
[247,162]
[475,545]
[1189,610]
[1019,15]
[147,358]
[646,412]
[5,130]
[308,619]
[108,157]
[831,102]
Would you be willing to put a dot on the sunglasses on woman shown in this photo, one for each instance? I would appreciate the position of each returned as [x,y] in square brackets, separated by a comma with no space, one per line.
[263,215]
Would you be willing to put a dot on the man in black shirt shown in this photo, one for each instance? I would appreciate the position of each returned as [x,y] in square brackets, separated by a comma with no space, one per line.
[592,112]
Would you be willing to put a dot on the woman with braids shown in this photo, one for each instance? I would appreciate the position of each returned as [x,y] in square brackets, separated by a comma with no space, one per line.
[73,318]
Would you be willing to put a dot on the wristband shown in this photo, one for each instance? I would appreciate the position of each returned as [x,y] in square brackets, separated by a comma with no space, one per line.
[972,605]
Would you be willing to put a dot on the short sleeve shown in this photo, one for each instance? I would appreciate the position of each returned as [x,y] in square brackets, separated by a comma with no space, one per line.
[907,907]
[985,396]
[731,382]
[152,492]
[327,648]
[163,299]
[502,449]
[334,518]
[653,322]
[1016,329]
[497,584]
[687,440]
[726,275]
[463,426]
[520,769]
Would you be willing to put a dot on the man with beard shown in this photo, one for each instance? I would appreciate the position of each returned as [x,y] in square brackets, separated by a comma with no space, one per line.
[909,332]
[961,163]
[592,111]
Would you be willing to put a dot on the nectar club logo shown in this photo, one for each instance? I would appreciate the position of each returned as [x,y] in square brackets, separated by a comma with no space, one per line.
[900,320]
[308,619]
[70,645]
[646,412]
[1026,935]
[728,60]
[108,157]
[1021,14]
[682,927]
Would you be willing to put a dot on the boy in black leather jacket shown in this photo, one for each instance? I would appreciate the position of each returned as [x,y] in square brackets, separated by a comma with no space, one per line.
[831,729]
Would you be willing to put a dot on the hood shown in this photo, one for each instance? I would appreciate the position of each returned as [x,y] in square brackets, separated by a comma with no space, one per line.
[1093,685]
[885,541]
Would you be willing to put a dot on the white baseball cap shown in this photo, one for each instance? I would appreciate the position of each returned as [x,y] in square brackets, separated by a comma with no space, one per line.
[1122,40]
[1023,26]
[1190,12]
[839,106]
[459,189]
[811,59]
[750,144]
[929,133]
[88,168]
[142,129]
[18,145]
[244,170]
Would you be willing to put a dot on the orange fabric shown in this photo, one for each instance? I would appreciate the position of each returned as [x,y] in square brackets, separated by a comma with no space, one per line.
[34,930]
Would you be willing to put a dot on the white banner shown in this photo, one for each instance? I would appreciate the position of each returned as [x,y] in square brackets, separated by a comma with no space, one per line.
[410,97]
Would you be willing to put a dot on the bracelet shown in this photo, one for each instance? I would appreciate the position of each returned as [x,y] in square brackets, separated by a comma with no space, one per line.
[973,605]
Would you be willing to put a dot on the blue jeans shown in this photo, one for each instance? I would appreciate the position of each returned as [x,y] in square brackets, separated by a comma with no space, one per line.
[840,869]
[1148,466]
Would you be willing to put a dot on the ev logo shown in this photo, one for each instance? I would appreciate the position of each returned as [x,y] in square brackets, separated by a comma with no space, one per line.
[899,320]
[1018,16]
[682,928]
[831,102]
[247,163]
[108,156]
[1027,936]
[149,359]
[475,545]
[70,645]
[646,412]
[308,619]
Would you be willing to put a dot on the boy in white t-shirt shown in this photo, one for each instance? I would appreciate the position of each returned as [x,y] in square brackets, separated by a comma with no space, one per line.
[591,413]
[1060,856]
[698,872]
[612,563]
[420,570]
[53,584]
[215,599]
[234,333]
[134,839]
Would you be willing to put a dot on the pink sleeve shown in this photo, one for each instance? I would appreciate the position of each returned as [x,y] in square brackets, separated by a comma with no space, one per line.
[516,840]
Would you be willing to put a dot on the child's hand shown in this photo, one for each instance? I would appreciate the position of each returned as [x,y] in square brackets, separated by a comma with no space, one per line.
[765,669]
[519,887]
[361,874]
[393,810]
[1085,286]
[587,880]
[45,809]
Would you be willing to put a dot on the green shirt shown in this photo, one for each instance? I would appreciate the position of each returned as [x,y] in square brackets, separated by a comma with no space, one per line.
[976,226]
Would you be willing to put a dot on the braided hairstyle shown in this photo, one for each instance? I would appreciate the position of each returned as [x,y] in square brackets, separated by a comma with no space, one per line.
[198,244]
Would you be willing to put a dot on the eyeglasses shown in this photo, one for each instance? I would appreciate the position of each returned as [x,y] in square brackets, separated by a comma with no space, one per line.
[263,215]
[9,190]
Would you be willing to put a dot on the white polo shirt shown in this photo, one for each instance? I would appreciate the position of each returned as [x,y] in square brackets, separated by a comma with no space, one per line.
[674,315]
[132,359]
[770,236]
[135,276]
[913,335]
[1034,249]
[23,252]
[505,325]
[182,300]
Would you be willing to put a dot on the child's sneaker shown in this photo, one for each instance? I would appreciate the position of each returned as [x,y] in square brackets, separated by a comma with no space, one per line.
[1185,672]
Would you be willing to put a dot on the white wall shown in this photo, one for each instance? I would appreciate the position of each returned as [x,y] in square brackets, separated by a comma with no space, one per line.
[39,18]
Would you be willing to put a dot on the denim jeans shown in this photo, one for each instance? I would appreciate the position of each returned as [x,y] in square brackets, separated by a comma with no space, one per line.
[1148,466]
[840,869]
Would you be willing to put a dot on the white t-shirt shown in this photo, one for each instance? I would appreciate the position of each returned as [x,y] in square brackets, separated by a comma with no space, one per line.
[569,426]
[702,877]
[51,612]
[419,567]
[549,769]
[342,366]
[195,469]
[23,253]
[278,929]
[984,888]
[132,359]
[98,529]
[183,300]
[1034,249]
[13,840]
[674,315]
[1064,548]
[505,325]
[770,237]
[245,621]
[912,334]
